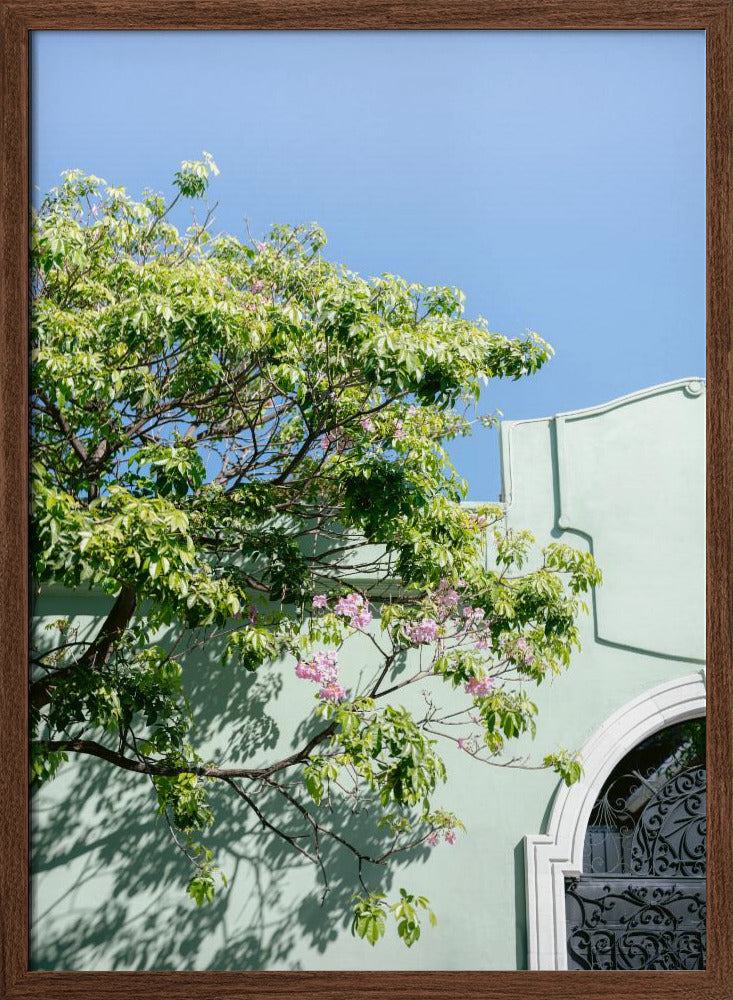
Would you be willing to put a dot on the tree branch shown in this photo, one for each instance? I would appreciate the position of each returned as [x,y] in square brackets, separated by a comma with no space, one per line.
[142,766]
[97,653]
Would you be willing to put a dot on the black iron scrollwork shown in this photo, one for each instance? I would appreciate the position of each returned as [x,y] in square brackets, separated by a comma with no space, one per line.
[640,903]
[669,838]
[641,924]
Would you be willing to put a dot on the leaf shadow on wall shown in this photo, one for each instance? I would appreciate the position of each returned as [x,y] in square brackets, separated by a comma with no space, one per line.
[109,883]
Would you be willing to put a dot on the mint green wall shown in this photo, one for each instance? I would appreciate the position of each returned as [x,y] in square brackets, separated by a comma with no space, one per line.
[626,479]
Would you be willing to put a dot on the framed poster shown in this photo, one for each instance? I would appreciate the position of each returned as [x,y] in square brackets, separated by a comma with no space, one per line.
[285,659]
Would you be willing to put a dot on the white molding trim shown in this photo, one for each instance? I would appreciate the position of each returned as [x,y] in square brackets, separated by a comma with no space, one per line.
[550,856]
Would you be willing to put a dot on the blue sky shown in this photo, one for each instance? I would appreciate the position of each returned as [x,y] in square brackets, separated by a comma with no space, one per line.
[556,177]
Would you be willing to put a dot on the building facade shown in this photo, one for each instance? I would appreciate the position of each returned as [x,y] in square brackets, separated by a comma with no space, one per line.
[625,480]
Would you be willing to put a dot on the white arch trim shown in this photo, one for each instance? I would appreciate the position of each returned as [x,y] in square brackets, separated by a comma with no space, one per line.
[550,856]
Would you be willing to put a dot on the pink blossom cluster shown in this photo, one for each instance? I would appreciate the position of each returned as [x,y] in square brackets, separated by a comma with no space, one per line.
[446,596]
[479,687]
[473,614]
[368,424]
[320,601]
[322,669]
[398,431]
[327,440]
[332,692]
[449,837]
[521,651]
[354,607]
[335,437]
[423,631]
[257,286]
[480,520]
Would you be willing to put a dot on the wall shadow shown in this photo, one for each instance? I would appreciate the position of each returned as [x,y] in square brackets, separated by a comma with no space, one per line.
[109,882]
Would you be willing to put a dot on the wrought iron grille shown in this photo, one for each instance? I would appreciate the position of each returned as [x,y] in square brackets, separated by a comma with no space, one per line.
[621,923]
[640,903]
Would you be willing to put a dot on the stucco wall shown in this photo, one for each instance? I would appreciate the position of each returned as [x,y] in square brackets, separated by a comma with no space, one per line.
[626,479]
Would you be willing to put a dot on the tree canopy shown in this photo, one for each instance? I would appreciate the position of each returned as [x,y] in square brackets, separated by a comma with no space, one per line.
[228,431]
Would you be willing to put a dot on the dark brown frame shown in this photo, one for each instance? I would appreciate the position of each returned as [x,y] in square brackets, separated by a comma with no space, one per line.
[19,17]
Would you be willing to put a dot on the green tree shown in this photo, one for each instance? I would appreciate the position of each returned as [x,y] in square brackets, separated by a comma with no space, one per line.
[224,433]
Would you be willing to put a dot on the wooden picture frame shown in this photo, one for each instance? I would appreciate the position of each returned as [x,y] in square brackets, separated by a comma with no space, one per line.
[19,18]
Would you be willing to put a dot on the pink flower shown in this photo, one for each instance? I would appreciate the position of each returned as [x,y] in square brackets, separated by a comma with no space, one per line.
[305,671]
[336,437]
[332,692]
[320,601]
[399,430]
[521,651]
[433,838]
[367,423]
[354,607]
[253,614]
[481,520]
[461,743]
[473,614]
[260,247]
[447,587]
[446,598]
[349,605]
[479,687]
[450,837]
[361,620]
[257,286]
[411,411]
[322,669]
[326,664]
[482,643]
[424,631]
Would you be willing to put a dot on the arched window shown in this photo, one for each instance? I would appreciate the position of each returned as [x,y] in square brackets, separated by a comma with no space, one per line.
[554,857]
[640,900]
